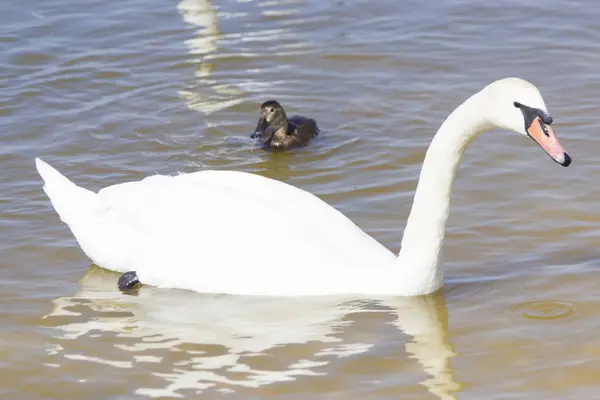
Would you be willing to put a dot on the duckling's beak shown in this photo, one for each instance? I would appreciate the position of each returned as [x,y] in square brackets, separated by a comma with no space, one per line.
[260,128]
[544,136]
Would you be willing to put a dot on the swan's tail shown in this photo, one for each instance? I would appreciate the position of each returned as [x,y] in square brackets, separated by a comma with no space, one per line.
[70,201]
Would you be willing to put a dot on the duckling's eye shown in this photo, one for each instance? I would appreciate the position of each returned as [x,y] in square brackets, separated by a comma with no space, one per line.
[271,110]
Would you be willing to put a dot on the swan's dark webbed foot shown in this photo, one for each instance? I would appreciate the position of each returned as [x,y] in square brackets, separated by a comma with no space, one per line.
[128,281]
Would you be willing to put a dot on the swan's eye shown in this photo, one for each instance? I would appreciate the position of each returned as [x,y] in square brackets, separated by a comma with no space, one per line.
[546,118]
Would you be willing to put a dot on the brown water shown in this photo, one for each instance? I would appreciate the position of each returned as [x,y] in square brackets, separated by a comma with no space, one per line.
[113,91]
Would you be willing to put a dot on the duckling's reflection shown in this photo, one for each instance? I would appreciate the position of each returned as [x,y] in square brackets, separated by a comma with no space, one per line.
[221,336]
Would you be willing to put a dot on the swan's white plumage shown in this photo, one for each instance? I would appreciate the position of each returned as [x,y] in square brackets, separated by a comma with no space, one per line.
[239,233]
[224,232]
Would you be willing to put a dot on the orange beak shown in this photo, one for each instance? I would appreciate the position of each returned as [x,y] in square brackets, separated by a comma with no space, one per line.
[544,136]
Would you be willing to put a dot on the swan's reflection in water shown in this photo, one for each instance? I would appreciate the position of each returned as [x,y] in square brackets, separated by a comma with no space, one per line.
[233,66]
[189,342]
[206,94]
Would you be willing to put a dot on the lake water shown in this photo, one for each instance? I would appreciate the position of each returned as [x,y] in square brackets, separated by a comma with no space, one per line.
[112,91]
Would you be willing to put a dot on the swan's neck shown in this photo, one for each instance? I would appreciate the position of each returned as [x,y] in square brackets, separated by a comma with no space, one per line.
[420,258]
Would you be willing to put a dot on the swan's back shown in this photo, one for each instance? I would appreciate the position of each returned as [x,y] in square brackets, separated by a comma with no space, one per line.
[229,232]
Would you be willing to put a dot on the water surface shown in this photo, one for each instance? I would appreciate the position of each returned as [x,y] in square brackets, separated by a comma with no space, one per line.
[113,91]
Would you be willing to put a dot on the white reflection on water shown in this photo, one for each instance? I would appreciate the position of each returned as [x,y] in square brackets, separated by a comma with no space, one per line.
[206,95]
[243,328]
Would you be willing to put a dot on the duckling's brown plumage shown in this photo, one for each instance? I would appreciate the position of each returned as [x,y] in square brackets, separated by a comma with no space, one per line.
[277,131]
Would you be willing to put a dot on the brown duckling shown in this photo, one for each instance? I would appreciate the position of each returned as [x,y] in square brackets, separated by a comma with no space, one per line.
[277,131]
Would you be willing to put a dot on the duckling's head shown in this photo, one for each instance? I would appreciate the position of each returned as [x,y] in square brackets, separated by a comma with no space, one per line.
[271,119]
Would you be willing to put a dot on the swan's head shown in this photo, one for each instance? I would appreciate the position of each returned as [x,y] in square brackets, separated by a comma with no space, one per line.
[271,118]
[517,105]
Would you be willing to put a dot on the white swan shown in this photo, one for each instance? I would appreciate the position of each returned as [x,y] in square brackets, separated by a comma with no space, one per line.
[195,231]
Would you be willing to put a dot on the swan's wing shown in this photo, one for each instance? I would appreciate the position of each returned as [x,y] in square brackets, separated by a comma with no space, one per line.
[204,222]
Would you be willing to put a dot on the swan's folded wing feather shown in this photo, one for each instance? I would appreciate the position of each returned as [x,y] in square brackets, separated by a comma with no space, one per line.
[212,218]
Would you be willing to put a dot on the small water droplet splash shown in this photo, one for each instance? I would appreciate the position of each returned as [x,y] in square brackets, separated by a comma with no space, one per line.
[548,310]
